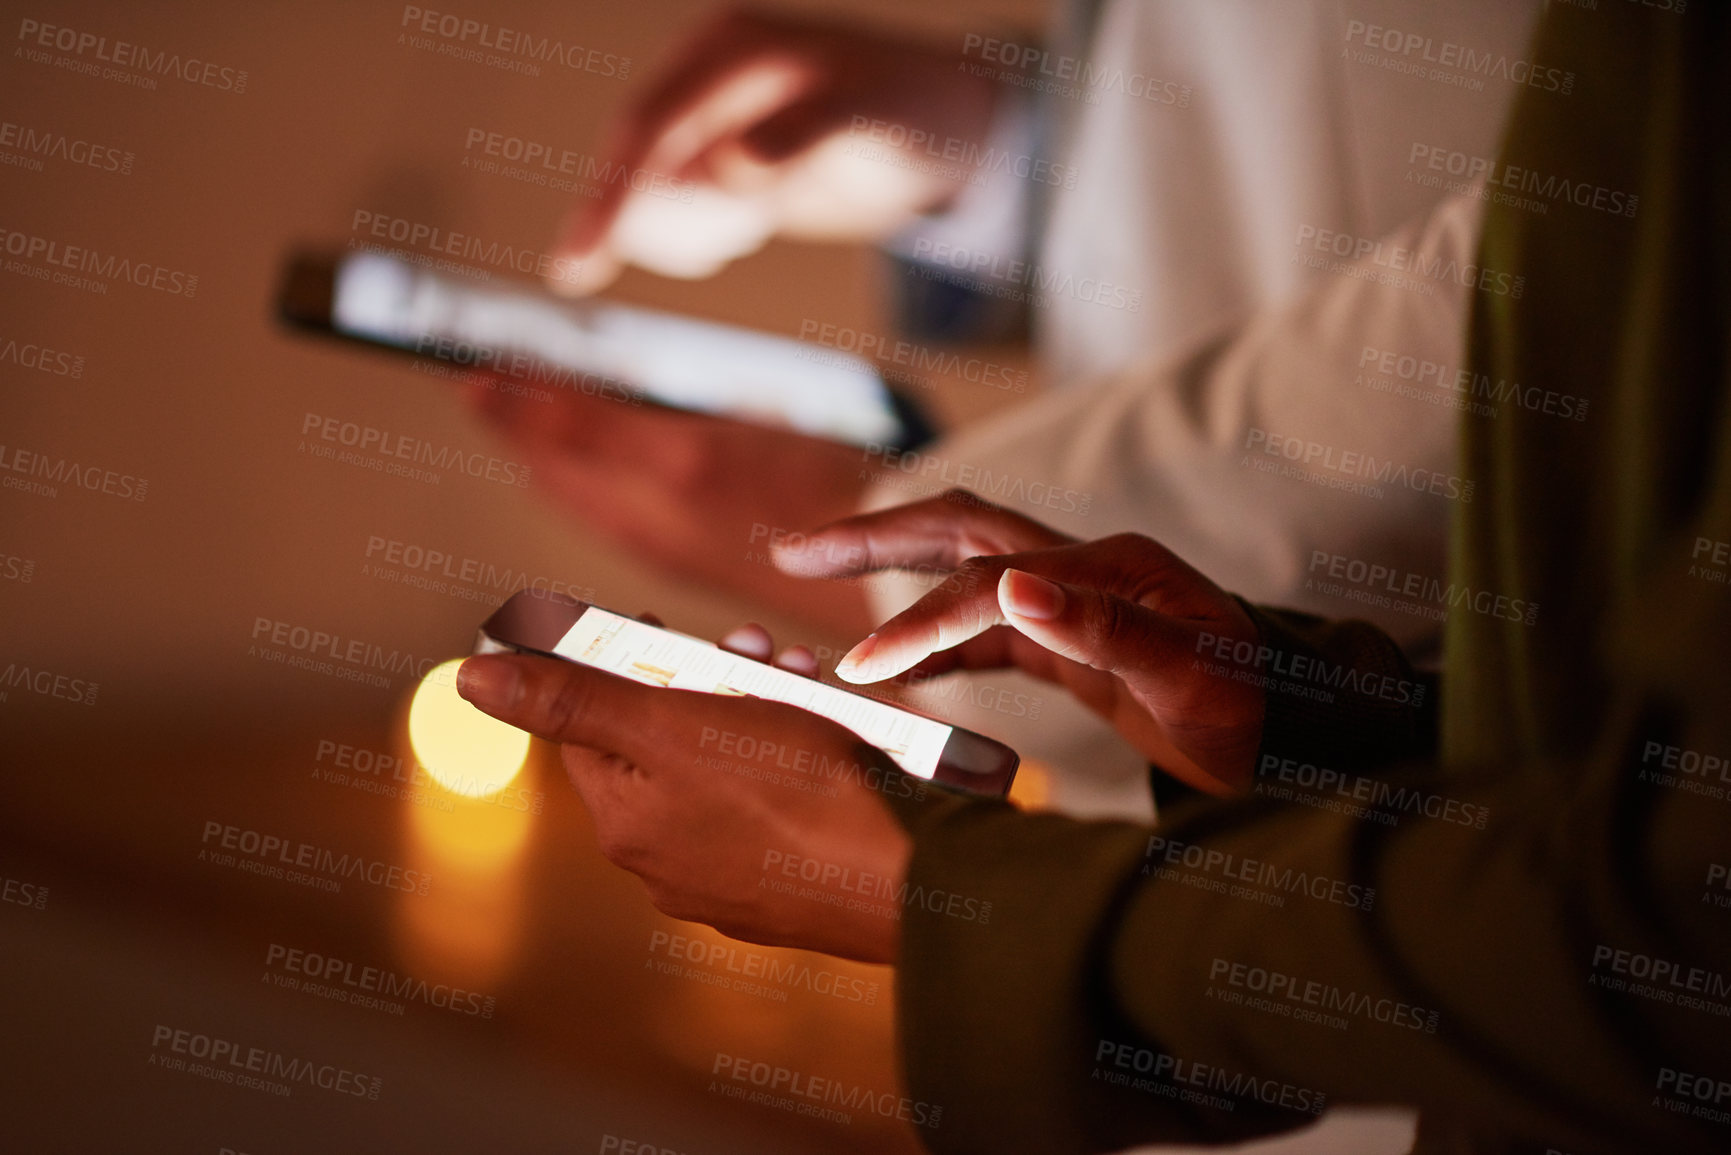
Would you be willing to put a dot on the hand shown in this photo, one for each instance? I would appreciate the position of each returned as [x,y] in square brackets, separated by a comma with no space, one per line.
[751,119]
[701,797]
[699,494]
[1118,622]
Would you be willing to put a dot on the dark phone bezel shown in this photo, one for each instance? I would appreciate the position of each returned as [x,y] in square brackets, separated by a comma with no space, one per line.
[533,622]
[309,284]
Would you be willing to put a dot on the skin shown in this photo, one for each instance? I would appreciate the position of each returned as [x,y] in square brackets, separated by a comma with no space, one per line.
[706,843]
[755,120]
[1116,620]
[692,492]
[753,117]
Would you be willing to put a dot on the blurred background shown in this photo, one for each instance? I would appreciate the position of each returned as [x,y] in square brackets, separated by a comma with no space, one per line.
[217,846]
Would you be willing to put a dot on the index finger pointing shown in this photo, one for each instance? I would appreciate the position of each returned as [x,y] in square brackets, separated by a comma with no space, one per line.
[940,532]
[662,132]
[963,607]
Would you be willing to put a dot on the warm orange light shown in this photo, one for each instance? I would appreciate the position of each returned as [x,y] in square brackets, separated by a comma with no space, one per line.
[471,921]
[477,836]
[462,749]
[1032,789]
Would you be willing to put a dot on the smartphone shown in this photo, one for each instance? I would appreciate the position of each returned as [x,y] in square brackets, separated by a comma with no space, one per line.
[386,299]
[533,622]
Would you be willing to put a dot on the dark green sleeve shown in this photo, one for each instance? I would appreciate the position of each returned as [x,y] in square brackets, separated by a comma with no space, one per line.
[1234,971]
[1340,694]
[1342,698]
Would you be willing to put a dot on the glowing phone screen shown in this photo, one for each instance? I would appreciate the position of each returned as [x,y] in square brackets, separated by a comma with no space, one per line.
[661,657]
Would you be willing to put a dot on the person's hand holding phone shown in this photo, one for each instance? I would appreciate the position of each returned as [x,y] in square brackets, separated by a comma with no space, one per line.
[749,133]
[677,801]
[701,495]
[1114,621]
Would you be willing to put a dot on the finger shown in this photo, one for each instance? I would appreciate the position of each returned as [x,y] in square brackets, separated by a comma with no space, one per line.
[600,428]
[650,619]
[570,703]
[785,134]
[939,532]
[798,660]
[723,76]
[1132,568]
[1091,626]
[684,82]
[962,608]
[595,775]
[749,641]
[993,649]
[585,275]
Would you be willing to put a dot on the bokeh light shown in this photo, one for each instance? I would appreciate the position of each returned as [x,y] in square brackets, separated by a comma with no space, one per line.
[464,750]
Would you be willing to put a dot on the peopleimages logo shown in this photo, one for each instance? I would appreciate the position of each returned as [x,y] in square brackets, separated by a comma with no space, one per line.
[343,981]
[814,1095]
[1164,854]
[1388,587]
[268,854]
[1397,260]
[545,164]
[306,647]
[38,38]
[41,358]
[1284,993]
[1117,1064]
[891,353]
[1349,469]
[399,454]
[497,46]
[1037,68]
[42,473]
[1359,796]
[1017,279]
[741,969]
[66,260]
[464,246]
[1472,391]
[887,465]
[227,1061]
[47,684]
[1426,56]
[35,145]
[35,897]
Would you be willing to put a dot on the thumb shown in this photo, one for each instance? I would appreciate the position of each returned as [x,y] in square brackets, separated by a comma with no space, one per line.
[568,703]
[1092,627]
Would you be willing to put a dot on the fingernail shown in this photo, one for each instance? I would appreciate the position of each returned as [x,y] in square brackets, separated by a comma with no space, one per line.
[798,560]
[1026,596]
[490,684]
[852,664]
[750,638]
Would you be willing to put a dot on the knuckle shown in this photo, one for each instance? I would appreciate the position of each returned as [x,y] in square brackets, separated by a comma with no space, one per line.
[974,573]
[567,706]
[956,495]
[672,901]
[1111,621]
[620,850]
[1134,543]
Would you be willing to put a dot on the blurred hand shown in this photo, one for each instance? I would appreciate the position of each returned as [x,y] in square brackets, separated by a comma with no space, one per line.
[1116,621]
[753,119]
[699,494]
[740,851]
